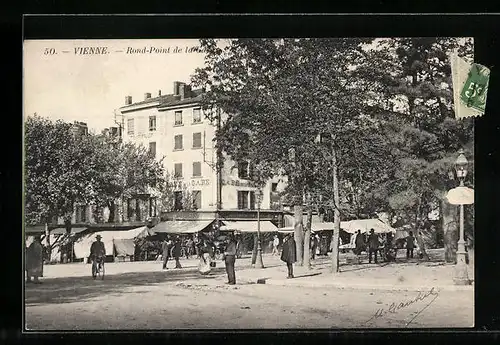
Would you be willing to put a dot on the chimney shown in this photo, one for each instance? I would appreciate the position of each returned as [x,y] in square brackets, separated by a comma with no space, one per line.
[176,88]
[159,93]
[182,90]
[128,100]
[147,95]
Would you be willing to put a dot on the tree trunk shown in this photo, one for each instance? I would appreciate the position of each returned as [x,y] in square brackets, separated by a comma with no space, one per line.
[450,230]
[254,250]
[307,239]
[418,235]
[336,214]
[47,240]
[112,211]
[298,233]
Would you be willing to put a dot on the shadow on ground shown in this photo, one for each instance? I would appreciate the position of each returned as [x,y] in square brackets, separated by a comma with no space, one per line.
[77,289]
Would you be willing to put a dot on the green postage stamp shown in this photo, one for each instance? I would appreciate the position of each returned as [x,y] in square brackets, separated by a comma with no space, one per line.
[470,87]
[473,94]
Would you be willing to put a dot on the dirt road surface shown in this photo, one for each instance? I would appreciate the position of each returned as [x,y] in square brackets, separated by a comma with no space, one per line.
[143,297]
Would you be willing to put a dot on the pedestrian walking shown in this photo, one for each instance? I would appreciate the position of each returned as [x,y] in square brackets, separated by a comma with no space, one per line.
[289,254]
[165,247]
[176,252]
[276,243]
[230,259]
[205,260]
[314,246]
[373,244]
[34,261]
[359,243]
[410,245]
[239,247]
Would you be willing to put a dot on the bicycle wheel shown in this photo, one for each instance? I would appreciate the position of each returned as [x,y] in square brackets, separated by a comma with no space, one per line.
[94,269]
[102,271]
[218,254]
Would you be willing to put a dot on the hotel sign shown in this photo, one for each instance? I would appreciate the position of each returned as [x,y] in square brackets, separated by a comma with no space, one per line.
[239,183]
[192,183]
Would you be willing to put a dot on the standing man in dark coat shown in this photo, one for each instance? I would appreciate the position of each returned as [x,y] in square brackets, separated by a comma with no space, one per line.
[230,259]
[176,251]
[289,254]
[359,242]
[34,260]
[410,245]
[373,245]
[165,248]
[314,246]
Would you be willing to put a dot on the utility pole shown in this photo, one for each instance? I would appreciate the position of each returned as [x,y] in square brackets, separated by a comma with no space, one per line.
[218,166]
[336,211]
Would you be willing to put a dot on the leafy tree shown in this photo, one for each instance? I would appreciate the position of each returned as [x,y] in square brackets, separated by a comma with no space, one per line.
[278,96]
[63,169]
[52,170]
[423,133]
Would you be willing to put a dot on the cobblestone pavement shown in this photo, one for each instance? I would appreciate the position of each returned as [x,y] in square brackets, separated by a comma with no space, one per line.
[140,295]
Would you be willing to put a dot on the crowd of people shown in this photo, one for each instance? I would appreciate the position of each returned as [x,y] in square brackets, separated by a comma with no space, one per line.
[204,248]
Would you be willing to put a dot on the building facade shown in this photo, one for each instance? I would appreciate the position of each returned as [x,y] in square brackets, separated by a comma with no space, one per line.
[174,129]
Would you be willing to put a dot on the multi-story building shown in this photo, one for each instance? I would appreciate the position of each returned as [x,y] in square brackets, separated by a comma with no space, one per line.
[175,129]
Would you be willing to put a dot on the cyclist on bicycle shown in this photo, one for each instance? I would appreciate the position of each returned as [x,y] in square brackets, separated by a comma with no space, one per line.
[97,249]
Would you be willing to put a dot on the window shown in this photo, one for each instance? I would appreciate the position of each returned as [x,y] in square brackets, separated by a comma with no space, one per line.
[130,208]
[152,123]
[152,207]
[196,199]
[81,214]
[196,140]
[274,187]
[178,118]
[130,126]
[243,170]
[243,200]
[152,149]
[178,201]
[252,200]
[196,169]
[197,115]
[178,170]
[178,142]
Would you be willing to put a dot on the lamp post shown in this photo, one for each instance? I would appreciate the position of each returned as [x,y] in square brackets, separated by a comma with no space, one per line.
[259,263]
[461,276]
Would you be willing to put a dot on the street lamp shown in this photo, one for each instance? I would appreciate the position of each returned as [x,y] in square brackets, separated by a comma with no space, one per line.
[461,276]
[259,263]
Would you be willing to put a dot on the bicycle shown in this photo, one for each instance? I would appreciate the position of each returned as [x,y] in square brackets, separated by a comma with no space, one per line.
[98,268]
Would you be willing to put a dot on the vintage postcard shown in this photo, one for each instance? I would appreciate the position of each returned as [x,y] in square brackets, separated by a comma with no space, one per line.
[291,183]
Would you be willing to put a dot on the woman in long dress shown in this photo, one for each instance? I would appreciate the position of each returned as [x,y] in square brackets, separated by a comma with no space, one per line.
[205,258]
[34,261]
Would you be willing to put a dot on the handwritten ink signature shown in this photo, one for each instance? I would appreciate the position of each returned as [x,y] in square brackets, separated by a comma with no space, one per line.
[395,307]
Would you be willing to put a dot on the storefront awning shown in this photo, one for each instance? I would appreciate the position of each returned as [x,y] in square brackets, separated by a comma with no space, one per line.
[124,247]
[365,225]
[181,226]
[62,231]
[248,226]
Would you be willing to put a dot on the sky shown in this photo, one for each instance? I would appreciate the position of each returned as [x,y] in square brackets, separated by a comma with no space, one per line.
[81,87]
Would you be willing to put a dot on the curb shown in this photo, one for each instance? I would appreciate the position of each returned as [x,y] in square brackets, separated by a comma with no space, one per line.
[338,285]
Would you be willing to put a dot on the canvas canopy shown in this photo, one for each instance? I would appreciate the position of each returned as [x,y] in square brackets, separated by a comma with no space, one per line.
[182,226]
[82,245]
[248,226]
[317,224]
[365,225]
[62,231]
[124,247]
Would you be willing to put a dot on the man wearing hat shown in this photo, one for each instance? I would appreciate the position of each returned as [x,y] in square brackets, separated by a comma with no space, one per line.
[373,244]
[97,249]
[34,261]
